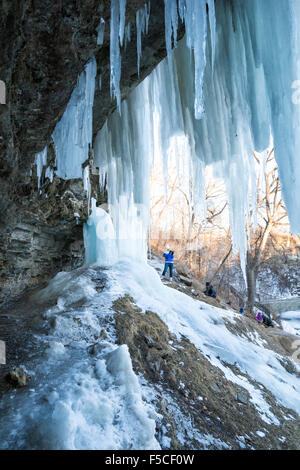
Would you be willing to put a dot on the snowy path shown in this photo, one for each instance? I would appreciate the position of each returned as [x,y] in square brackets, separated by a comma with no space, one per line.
[77,398]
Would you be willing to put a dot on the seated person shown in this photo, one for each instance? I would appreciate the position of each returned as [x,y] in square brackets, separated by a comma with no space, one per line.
[210,291]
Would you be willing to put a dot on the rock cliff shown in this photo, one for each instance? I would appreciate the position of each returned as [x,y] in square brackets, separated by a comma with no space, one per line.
[45,46]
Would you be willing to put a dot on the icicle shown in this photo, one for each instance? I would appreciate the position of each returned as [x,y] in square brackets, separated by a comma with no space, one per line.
[40,161]
[101,29]
[142,23]
[73,133]
[181,9]
[127,34]
[115,57]
[77,216]
[171,26]
[118,149]
[87,184]
[212,25]
[49,174]
[122,20]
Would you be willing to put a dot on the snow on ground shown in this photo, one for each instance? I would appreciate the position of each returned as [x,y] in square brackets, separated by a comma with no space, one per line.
[204,325]
[290,322]
[79,400]
[186,433]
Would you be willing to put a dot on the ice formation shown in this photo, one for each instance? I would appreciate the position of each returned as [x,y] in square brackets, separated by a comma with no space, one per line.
[84,398]
[100,238]
[77,400]
[290,322]
[117,28]
[243,94]
[117,152]
[40,161]
[127,34]
[101,30]
[142,22]
[222,89]
[73,133]
[227,95]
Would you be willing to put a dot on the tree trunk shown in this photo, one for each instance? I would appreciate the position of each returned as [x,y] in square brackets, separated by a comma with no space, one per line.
[251,273]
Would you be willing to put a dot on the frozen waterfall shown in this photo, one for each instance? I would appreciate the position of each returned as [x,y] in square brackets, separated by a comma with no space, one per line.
[227,87]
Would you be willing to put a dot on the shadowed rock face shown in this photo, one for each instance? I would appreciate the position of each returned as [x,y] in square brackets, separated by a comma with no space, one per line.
[44,47]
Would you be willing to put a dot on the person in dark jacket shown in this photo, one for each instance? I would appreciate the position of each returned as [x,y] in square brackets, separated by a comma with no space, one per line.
[210,291]
[267,320]
[169,262]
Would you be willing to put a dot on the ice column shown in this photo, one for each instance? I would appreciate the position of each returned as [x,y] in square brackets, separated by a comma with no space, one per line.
[99,237]
[117,27]
[124,152]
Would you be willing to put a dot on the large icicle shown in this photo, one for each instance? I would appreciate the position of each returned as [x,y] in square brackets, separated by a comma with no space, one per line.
[142,23]
[117,28]
[122,20]
[73,133]
[101,29]
[196,31]
[212,25]
[40,161]
[171,26]
[193,13]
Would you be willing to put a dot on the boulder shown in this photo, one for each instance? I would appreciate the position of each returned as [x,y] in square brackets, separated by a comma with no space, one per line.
[182,270]
[242,397]
[17,377]
[149,341]
[187,281]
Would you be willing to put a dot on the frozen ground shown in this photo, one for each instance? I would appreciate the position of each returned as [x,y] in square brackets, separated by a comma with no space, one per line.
[78,398]
[290,322]
[84,394]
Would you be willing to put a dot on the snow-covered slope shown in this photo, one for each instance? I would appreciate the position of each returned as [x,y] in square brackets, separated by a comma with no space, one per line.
[84,393]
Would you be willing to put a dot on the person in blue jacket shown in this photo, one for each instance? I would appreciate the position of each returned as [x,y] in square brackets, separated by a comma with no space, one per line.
[169,262]
[209,290]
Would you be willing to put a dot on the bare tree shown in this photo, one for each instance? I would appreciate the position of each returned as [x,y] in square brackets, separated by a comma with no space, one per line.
[188,230]
[271,214]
